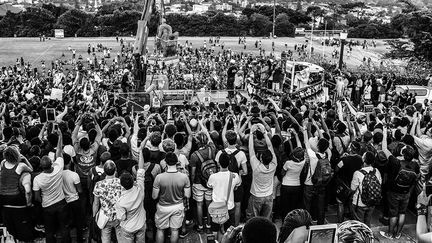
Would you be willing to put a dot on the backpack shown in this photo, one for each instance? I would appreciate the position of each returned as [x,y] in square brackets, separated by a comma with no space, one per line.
[336,156]
[304,172]
[233,165]
[92,181]
[405,177]
[323,172]
[208,167]
[371,188]
[148,181]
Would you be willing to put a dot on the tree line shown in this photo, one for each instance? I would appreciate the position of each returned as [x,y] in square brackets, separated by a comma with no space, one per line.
[121,19]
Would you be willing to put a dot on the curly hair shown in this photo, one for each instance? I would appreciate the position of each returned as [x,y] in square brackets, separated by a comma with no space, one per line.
[12,154]
[355,231]
[294,219]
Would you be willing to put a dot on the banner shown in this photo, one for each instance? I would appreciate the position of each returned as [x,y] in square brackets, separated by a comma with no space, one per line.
[56,94]
[161,80]
[59,33]
[135,100]
[308,93]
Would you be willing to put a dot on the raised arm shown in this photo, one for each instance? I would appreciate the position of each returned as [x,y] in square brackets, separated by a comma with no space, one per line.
[60,116]
[76,130]
[384,143]
[110,122]
[224,130]
[298,143]
[278,130]
[269,144]
[243,127]
[305,135]
[126,126]
[42,131]
[204,130]
[414,127]
[141,157]
[418,129]
[59,149]
[339,110]
[99,132]
[350,128]
[251,143]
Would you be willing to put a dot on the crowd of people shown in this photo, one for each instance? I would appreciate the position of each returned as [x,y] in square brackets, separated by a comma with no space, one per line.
[84,161]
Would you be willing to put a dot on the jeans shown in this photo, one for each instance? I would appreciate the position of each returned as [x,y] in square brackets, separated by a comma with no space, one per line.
[314,198]
[259,206]
[397,203]
[290,199]
[18,222]
[77,218]
[132,237]
[362,214]
[109,227]
[56,218]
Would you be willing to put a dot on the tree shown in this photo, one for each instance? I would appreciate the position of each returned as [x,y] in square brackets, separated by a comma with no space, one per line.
[8,24]
[283,27]
[261,25]
[225,25]
[55,10]
[36,21]
[72,20]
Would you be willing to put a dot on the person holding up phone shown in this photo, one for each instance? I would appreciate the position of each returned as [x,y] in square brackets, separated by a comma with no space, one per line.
[423,235]
[403,173]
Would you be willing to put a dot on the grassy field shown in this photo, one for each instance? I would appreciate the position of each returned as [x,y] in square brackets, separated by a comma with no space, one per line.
[34,51]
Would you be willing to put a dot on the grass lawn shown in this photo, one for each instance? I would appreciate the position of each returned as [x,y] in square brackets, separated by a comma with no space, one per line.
[34,51]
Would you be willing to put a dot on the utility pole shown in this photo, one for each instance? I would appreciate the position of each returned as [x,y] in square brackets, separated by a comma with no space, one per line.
[343,37]
[274,18]
[311,41]
[324,42]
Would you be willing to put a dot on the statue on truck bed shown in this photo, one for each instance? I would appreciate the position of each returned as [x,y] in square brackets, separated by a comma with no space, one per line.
[166,41]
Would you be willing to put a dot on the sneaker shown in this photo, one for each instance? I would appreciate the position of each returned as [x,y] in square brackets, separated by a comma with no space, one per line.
[398,236]
[189,222]
[200,229]
[386,235]
[40,228]
[183,234]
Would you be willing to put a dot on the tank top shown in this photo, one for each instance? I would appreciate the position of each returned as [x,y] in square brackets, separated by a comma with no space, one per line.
[11,191]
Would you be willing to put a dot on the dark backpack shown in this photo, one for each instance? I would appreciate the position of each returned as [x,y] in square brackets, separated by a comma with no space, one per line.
[371,188]
[406,177]
[148,181]
[336,156]
[96,178]
[323,172]
[208,167]
[233,165]
[305,170]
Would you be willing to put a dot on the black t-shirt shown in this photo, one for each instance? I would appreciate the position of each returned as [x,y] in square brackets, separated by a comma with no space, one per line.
[156,156]
[125,165]
[393,168]
[231,77]
[350,164]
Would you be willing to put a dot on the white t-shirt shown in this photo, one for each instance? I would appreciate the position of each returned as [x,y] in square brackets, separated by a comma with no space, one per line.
[262,177]
[240,156]
[292,176]
[219,182]
[313,161]
[70,179]
[51,184]
[357,181]
[367,92]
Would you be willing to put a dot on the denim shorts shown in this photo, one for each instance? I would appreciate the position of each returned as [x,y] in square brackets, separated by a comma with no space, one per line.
[398,203]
